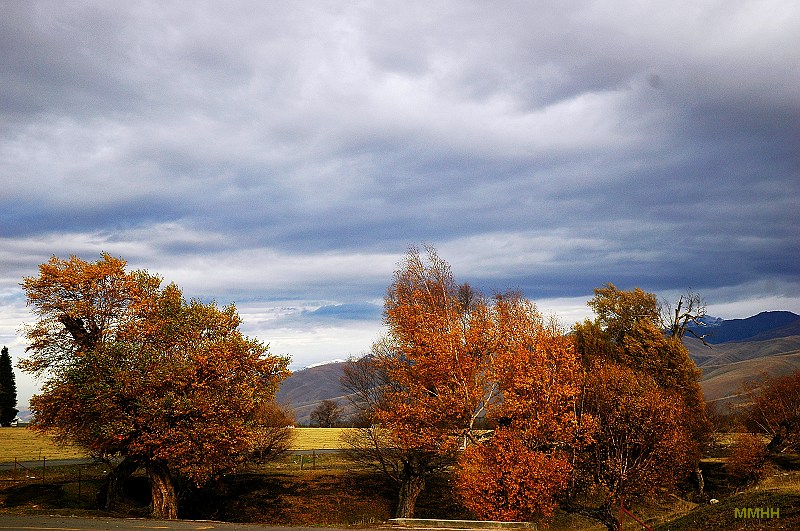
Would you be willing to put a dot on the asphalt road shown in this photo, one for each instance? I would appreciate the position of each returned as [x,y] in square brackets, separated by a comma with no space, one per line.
[71,523]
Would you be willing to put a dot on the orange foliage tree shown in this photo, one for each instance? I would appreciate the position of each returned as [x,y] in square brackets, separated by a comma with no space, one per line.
[747,459]
[453,360]
[642,390]
[423,387]
[775,410]
[135,371]
[523,469]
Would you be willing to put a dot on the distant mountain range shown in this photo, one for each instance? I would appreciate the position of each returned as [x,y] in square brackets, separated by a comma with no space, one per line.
[740,351]
[766,325]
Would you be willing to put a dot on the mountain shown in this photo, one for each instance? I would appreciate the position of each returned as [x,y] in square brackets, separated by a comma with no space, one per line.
[728,366]
[306,388]
[765,325]
[740,351]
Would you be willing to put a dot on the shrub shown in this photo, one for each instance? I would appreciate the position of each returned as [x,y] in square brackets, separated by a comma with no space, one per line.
[747,459]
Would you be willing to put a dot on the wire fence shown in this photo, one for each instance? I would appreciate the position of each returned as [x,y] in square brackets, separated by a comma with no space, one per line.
[77,479]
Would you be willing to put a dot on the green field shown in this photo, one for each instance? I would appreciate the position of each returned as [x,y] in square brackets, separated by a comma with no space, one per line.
[26,445]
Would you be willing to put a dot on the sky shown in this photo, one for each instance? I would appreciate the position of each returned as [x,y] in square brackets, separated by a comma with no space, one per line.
[284,156]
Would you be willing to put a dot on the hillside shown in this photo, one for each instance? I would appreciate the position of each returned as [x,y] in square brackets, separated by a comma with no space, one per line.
[767,343]
[306,388]
[735,352]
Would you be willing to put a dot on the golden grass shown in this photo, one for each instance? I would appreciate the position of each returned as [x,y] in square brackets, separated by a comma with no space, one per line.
[317,438]
[27,445]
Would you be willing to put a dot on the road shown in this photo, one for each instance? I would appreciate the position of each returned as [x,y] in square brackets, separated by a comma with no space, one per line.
[71,523]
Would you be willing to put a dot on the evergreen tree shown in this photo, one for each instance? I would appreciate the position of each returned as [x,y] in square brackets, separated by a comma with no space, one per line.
[8,390]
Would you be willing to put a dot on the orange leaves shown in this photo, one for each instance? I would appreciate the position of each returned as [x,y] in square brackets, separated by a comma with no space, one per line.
[80,304]
[453,358]
[520,472]
[642,443]
[138,371]
[505,480]
[775,410]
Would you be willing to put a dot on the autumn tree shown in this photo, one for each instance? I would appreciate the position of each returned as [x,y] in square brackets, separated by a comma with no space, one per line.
[273,431]
[373,445]
[135,371]
[628,329]
[431,375]
[522,470]
[774,410]
[643,391]
[640,445]
[747,459]
[326,415]
[454,360]
[8,389]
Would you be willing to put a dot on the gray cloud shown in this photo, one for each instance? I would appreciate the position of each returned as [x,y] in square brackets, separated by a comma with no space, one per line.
[265,153]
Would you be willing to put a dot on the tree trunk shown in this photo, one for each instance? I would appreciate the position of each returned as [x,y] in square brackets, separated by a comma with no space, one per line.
[608,516]
[410,488]
[782,434]
[162,489]
[111,491]
[701,483]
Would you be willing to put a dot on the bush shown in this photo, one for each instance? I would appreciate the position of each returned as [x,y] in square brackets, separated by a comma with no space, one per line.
[747,459]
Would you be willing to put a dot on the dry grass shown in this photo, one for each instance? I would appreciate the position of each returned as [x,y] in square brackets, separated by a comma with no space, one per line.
[317,438]
[26,445]
[786,481]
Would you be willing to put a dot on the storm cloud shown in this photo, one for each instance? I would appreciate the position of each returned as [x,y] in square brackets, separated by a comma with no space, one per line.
[284,156]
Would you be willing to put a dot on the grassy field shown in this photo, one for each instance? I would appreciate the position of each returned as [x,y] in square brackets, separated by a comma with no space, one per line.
[317,438]
[26,445]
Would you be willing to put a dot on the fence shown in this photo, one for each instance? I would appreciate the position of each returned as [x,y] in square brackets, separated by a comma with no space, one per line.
[73,475]
[30,469]
[305,458]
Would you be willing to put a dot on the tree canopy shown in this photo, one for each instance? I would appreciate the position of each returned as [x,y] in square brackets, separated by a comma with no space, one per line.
[135,370]
[452,361]
[8,389]
[643,392]
[326,415]
[774,410]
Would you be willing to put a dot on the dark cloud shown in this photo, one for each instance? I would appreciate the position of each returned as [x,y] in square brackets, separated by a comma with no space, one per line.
[265,153]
